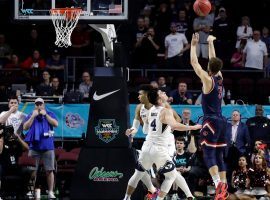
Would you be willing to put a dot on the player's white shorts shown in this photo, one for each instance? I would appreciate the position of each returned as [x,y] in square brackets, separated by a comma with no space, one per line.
[153,153]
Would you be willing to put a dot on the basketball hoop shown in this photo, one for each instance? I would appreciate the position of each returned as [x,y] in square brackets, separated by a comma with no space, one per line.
[64,21]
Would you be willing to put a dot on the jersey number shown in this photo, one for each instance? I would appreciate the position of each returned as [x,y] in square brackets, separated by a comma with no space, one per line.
[153,124]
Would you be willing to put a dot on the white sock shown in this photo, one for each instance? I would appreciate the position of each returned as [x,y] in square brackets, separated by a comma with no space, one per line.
[127,197]
[216,179]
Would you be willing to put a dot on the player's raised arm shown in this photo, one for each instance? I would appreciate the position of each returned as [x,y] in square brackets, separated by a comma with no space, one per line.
[167,117]
[194,59]
[211,49]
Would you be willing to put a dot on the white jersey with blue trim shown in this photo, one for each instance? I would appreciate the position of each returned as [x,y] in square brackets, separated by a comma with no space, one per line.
[143,115]
[158,132]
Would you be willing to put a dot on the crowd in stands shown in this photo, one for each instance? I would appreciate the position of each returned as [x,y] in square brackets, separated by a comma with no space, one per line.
[158,37]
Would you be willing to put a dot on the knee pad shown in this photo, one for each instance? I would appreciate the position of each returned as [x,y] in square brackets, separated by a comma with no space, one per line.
[167,167]
[139,167]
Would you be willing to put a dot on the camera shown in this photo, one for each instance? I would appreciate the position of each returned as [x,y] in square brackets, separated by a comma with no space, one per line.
[8,132]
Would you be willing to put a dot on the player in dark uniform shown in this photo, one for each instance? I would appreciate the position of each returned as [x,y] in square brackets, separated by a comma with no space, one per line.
[214,124]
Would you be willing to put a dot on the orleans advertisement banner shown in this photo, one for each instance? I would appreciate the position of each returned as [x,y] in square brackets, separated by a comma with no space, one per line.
[102,173]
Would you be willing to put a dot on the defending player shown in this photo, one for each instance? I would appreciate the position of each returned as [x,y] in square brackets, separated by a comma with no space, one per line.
[155,148]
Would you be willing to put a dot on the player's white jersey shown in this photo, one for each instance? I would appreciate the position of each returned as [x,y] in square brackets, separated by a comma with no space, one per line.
[158,132]
[144,114]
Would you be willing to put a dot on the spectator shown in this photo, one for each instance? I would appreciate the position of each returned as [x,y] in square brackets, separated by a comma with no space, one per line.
[44,88]
[186,119]
[238,142]
[266,38]
[40,138]
[33,42]
[212,14]
[13,62]
[183,25]
[258,178]
[86,85]
[237,57]
[162,85]
[163,19]
[202,25]
[181,160]
[13,143]
[259,126]
[80,39]
[148,16]
[180,95]
[255,52]
[34,63]
[154,84]
[244,32]
[13,116]
[137,37]
[57,90]
[239,180]
[55,64]
[175,45]
[148,47]
[5,49]
[261,148]
[223,31]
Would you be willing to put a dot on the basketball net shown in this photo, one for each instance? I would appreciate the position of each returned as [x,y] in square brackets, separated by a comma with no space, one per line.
[64,21]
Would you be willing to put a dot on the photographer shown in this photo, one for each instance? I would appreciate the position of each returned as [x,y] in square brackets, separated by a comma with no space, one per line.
[13,116]
[40,138]
[11,141]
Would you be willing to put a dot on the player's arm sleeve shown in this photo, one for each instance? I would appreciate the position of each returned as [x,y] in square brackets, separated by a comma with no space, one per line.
[135,126]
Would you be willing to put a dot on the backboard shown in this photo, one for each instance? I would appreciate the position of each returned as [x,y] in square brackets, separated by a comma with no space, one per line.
[92,10]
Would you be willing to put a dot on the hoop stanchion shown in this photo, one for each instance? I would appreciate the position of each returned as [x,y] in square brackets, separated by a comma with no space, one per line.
[64,21]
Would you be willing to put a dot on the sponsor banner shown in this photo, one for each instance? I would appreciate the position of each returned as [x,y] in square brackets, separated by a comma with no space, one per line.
[102,173]
[73,118]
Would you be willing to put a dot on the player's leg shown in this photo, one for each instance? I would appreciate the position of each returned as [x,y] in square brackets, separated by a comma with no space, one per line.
[133,182]
[144,162]
[166,167]
[209,140]
[211,163]
[221,164]
[170,173]
[182,184]
[221,191]
[146,179]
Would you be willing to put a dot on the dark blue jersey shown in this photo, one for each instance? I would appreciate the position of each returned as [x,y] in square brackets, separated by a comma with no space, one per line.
[211,102]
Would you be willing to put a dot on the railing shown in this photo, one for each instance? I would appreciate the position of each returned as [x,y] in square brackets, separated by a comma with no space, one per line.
[76,65]
[146,72]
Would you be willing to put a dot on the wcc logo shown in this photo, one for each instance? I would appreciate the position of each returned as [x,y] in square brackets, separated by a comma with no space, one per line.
[106,130]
